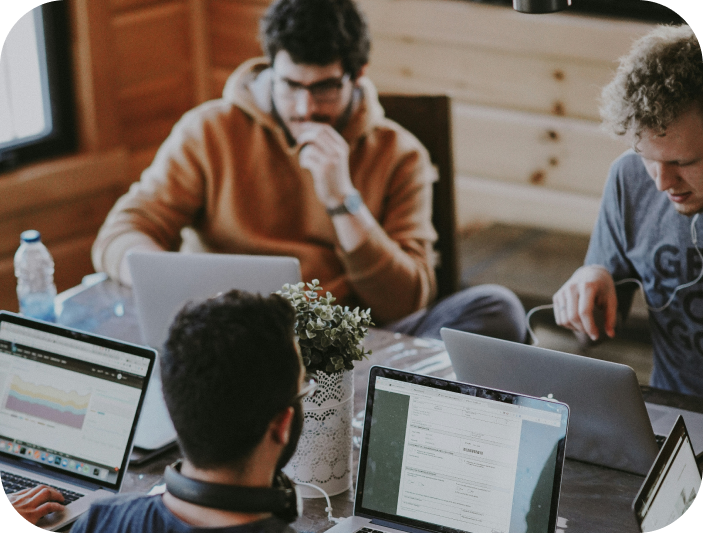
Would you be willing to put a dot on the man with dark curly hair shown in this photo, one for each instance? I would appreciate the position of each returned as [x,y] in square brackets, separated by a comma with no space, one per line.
[647,231]
[232,379]
[298,159]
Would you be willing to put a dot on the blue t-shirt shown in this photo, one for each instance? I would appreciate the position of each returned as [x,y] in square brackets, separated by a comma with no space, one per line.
[639,234]
[136,513]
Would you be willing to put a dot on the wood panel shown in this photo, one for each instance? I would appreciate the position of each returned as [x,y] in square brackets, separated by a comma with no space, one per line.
[155,71]
[498,28]
[490,77]
[151,43]
[482,200]
[124,5]
[167,96]
[97,117]
[234,28]
[55,182]
[200,37]
[56,223]
[553,152]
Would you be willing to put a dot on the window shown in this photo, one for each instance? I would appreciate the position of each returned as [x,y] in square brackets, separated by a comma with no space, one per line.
[36,107]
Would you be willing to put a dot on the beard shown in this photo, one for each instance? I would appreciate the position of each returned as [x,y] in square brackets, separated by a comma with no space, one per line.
[296,430]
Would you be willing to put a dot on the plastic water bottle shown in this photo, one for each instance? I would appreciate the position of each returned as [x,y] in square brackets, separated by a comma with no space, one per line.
[34,268]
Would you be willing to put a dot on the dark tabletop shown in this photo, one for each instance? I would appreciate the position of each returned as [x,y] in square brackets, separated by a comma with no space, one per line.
[593,498]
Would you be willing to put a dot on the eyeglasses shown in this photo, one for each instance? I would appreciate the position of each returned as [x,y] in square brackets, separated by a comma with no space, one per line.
[308,389]
[323,92]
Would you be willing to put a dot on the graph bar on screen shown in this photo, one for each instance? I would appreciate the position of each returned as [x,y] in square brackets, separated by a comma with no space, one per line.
[47,403]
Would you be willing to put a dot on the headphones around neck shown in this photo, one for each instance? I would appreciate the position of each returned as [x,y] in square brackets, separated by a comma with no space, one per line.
[282,500]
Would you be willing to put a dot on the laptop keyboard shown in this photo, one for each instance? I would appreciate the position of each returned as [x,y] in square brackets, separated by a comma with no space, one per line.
[13,483]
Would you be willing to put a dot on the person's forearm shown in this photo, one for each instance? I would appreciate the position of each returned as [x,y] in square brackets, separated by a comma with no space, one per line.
[389,279]
[353,229]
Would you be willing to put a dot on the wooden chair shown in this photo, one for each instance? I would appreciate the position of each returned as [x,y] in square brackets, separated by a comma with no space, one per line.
[429,119]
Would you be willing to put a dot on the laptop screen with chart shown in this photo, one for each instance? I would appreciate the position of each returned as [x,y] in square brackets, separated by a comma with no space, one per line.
[68,405]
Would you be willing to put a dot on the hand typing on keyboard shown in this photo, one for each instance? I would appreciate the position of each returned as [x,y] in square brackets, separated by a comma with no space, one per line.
[34,503]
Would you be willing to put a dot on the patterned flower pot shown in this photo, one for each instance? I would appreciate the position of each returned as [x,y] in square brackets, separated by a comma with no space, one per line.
[324,453]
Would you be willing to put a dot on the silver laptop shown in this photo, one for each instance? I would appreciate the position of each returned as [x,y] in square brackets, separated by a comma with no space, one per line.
[610,423]
[445,457]
[164,281]
[69,404]
[672,483]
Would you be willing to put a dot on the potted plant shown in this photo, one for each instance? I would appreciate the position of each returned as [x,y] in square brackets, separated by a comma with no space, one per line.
[330,339]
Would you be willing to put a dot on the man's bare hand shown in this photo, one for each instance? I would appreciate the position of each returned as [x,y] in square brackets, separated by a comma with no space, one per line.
[32,504]
[590,287]
[325,154]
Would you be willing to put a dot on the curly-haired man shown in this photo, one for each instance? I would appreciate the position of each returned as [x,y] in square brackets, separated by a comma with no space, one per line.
[298,159]
[647,228]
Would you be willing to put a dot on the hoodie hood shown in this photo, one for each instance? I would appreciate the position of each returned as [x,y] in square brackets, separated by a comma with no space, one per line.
[249,88]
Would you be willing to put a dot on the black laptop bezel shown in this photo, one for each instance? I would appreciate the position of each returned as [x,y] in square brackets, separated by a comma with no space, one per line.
[679,430]
[97,340]
[452,386]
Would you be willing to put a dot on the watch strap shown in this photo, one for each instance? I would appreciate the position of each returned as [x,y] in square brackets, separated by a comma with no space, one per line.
[350,205]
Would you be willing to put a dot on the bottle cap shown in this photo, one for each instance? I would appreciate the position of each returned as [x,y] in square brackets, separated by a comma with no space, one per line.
[29,236]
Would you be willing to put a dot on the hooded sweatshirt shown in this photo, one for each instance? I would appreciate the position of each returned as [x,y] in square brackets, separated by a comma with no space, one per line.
[227,180]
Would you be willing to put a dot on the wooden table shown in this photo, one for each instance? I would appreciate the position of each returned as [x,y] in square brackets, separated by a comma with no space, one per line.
[593,498]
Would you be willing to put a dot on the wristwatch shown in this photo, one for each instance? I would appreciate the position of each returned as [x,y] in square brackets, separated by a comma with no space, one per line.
[351,205]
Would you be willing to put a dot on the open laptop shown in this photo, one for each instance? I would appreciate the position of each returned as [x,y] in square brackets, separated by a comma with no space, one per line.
[610,423]
[163,282]
[445,457]
[672,483]
[69,404]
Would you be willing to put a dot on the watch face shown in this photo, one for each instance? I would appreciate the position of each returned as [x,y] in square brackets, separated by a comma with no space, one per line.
[352,203]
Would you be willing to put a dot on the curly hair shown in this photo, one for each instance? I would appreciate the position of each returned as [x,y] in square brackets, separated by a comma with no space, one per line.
[659,79]
[229,366]
[317,32]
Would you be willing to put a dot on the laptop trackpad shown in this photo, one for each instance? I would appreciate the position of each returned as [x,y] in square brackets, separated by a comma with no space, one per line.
[663,419]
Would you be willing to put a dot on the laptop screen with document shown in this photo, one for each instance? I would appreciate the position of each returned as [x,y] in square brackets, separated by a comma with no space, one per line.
[68,404]
[447,456]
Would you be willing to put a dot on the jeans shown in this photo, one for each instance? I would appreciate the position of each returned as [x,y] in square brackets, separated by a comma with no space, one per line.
[490,310]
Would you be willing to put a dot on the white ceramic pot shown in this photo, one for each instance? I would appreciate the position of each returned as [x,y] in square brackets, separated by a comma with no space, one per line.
[324,453]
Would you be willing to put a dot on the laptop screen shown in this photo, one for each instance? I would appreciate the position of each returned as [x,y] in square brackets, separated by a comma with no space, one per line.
[68,401]
[672,483]
[447,456]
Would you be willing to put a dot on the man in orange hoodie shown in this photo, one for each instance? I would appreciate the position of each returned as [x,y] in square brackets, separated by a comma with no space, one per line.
[298,159]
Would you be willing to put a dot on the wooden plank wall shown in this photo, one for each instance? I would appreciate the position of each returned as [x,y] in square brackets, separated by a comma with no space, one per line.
[527,144]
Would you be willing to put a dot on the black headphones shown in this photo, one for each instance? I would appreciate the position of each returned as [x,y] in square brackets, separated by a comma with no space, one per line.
[282,499]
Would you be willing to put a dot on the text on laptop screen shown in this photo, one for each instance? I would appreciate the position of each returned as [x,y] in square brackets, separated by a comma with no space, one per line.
[674,490]
[461,462]
[67,403]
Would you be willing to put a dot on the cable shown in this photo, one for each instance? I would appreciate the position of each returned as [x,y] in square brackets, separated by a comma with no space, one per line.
[328,509]
[529,315]
[694,239]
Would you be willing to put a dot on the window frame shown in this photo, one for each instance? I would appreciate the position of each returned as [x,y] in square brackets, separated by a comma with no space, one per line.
[63,138]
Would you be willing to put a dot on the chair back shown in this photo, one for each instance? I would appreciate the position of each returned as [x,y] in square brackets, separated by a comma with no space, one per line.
[429,119]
